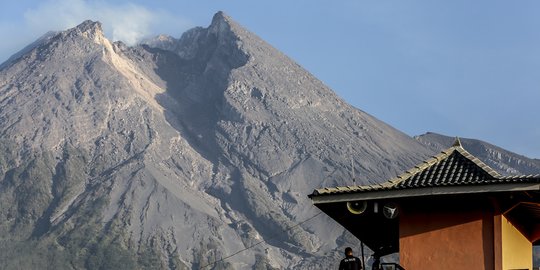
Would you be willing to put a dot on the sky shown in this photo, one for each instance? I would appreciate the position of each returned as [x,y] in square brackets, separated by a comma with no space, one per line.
[460,68]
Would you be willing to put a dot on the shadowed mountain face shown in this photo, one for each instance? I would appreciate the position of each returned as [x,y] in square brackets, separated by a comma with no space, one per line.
[177,153]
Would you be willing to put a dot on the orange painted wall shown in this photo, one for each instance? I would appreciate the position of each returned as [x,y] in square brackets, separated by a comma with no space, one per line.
[446,240]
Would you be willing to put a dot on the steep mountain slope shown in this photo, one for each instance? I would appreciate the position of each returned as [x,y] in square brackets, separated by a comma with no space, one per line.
[505,162]
[176,153]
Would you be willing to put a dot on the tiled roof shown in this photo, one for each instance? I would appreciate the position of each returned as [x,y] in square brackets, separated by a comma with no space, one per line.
[452,167]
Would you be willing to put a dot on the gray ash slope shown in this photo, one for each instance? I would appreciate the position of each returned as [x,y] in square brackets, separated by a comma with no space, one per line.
[177,153]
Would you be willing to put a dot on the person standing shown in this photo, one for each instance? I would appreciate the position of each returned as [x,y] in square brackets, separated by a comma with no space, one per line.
[350,262]
[376,263]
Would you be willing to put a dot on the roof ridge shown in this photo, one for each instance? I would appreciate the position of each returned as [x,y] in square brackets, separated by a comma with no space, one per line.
[457,142]
[456,147]
[486,168]
[469,175]
[422,166]
[524,176]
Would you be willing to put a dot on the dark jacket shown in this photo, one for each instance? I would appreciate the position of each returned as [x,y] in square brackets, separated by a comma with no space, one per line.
[350,263]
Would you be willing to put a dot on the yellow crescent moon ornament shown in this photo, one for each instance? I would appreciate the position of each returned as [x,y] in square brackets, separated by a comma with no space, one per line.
[357,207]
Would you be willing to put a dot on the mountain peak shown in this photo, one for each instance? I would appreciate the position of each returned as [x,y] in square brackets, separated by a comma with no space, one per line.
[222,23]
[88,29]
[89,26]
[220,16]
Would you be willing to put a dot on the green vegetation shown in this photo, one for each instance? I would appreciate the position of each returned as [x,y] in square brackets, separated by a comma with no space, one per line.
[262,263]
[29,195]
[24,196]
[209,257]
[35,190]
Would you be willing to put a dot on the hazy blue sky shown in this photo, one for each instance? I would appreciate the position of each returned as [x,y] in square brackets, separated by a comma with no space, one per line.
[460,68]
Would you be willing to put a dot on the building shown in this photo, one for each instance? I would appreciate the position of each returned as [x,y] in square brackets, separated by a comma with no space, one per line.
[449,212]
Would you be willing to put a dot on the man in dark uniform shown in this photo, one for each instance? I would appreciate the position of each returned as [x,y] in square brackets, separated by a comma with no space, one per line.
[350,262]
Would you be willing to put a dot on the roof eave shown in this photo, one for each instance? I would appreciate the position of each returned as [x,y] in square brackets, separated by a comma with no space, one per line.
[418,192]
